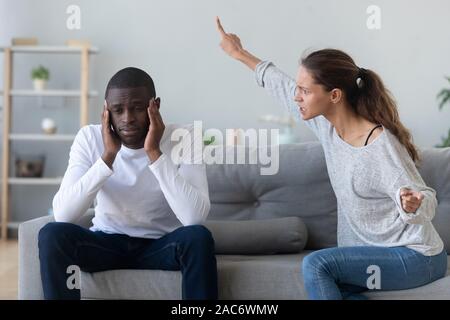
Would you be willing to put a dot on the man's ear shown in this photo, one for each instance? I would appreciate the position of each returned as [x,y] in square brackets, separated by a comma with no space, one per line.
[336,95]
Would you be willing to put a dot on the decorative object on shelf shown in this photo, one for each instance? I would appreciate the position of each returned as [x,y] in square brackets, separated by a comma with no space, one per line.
[444,97]
[40,76]
[78,43]
[287,134]
[24,41]
[48,126]
[30,166]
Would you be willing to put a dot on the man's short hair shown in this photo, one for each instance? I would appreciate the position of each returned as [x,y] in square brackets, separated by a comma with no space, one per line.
[131,78]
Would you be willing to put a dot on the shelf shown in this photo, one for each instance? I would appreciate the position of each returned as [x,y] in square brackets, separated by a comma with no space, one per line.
[44,137]
[49,93]
[35,181]
[14,224]
[48,49]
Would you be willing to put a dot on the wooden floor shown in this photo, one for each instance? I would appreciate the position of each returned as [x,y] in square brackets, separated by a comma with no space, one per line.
[9,269]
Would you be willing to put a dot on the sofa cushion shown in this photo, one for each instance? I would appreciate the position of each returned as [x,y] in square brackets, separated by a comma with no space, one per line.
[301,187]
[248,277]
[266,236]
[239,277]
[435,171]
[240,192]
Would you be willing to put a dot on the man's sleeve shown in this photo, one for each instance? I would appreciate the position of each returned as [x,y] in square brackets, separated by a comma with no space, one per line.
[82,180]
[184,185]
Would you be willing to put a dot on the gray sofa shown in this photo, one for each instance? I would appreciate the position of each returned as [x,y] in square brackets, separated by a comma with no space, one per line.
[238,192]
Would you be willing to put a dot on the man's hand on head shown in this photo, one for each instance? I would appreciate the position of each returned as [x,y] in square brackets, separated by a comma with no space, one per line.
[111,140]
[155,131]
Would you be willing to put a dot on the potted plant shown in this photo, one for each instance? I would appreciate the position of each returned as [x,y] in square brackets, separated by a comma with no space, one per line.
[40,76]
[208,140]
[444,97]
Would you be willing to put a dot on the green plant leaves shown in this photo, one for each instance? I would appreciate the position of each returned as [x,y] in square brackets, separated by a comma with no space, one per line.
[445,141]
[444,97]
[208,142]
[40,73]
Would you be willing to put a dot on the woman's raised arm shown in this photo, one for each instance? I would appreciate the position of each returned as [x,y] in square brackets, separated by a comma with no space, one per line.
[231,44]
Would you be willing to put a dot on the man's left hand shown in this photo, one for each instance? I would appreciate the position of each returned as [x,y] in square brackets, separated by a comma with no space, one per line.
[155,131]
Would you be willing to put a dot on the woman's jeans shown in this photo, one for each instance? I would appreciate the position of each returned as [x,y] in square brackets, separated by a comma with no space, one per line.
[345,272]
[189,249]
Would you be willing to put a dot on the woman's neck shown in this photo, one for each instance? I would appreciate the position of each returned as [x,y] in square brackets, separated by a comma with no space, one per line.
[348,124]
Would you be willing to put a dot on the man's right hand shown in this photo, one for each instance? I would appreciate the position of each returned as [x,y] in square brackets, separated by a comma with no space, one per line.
[231,44]
[111,140]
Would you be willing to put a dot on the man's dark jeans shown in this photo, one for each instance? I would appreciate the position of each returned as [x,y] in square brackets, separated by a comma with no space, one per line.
[189,249]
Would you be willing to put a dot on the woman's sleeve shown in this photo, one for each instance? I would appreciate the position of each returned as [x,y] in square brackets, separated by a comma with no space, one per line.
[412,180]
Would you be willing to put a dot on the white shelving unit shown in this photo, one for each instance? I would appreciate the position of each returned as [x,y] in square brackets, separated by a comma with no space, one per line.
[35,181]
[49,93]
[83,94]
[41,137]
[50,49]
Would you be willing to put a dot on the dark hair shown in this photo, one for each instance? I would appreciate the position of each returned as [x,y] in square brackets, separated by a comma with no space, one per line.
[363,89]
[131,78]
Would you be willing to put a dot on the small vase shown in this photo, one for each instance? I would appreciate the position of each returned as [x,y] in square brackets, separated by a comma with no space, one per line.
[39,84]
[48,126]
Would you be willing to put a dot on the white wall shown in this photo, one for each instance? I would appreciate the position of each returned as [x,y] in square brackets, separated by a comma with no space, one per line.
[177,43]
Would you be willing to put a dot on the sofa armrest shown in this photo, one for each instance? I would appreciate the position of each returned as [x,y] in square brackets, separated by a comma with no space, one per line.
[30,285]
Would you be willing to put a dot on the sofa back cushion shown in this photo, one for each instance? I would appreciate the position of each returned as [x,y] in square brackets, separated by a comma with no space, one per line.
[301,188]
[435,171]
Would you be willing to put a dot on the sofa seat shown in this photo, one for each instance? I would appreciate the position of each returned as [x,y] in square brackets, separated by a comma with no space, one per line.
[240,277]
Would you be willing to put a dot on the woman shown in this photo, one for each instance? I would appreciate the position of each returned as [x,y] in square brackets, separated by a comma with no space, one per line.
[384,207]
